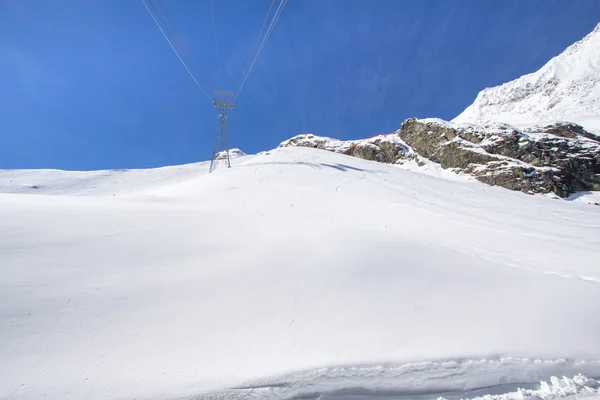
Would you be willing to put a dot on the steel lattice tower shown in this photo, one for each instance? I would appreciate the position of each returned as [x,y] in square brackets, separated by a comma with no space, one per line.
[223,103]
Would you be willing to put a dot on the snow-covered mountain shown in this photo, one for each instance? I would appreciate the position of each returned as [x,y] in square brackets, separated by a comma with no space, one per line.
[567,88]
[295,273]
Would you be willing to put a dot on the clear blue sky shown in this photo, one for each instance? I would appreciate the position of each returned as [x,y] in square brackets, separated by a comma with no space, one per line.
[93,84]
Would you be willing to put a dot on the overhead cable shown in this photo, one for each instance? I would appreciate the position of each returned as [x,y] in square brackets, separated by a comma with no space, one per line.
[168,18]
[173,47]
[212,13]
[260,35]
[160,20]
[266,36]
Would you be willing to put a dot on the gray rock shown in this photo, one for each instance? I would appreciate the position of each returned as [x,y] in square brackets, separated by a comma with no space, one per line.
[378,150]
[560,158]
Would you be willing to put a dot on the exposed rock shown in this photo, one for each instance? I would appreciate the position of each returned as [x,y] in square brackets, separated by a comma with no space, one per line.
[458,155]
[567,130]
[518,177]
[564,130]
[559,158]
[425,138]
[384,151]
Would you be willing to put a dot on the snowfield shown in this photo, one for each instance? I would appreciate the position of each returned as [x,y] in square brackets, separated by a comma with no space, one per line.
[297,273]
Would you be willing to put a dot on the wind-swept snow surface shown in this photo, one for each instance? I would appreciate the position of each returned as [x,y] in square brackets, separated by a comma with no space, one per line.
[567,88]
[173,282]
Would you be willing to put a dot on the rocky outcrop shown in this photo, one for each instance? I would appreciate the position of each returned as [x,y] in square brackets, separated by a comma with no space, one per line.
[560,158]
[383,148]
[517,177]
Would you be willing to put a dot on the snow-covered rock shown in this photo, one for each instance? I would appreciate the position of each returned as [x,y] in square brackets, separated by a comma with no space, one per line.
[567,88]
[388,148]
[316,142]
[233,153]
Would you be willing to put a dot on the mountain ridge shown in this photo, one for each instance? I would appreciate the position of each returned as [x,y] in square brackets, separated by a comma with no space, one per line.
[566,88]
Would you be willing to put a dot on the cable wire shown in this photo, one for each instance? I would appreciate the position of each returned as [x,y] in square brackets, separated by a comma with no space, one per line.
[267,34]
[260,34]
[168,17]
[173,48]
[160,19]
[212,13]
[260,47]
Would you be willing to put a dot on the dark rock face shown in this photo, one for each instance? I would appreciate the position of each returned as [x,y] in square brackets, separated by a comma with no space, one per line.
[425,139]
[460,155]
[521,178]
[560,158]
[569,130]
[378,150]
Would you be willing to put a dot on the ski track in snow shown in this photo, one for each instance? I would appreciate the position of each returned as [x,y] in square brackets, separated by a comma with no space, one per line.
[171,283]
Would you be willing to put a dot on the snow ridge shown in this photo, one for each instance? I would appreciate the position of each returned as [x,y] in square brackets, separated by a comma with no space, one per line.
[476,379]
[567,88]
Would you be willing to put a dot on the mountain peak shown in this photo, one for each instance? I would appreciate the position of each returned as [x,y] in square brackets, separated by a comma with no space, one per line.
[567,88]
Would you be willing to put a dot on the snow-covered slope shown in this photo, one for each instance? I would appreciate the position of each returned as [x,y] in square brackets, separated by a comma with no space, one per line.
[270,275]
[567,88]
[120,182]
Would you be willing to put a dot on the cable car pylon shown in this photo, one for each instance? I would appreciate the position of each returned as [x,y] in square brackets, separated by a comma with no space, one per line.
[223,102]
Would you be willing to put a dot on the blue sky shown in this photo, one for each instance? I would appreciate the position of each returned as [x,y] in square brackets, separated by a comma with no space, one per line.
[93,84]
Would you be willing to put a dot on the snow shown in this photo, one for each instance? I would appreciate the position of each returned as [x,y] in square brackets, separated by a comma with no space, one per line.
[174,282]
[586,197]
[233,153]
[567,88]
[557,388]
[438,121]
[311,140]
